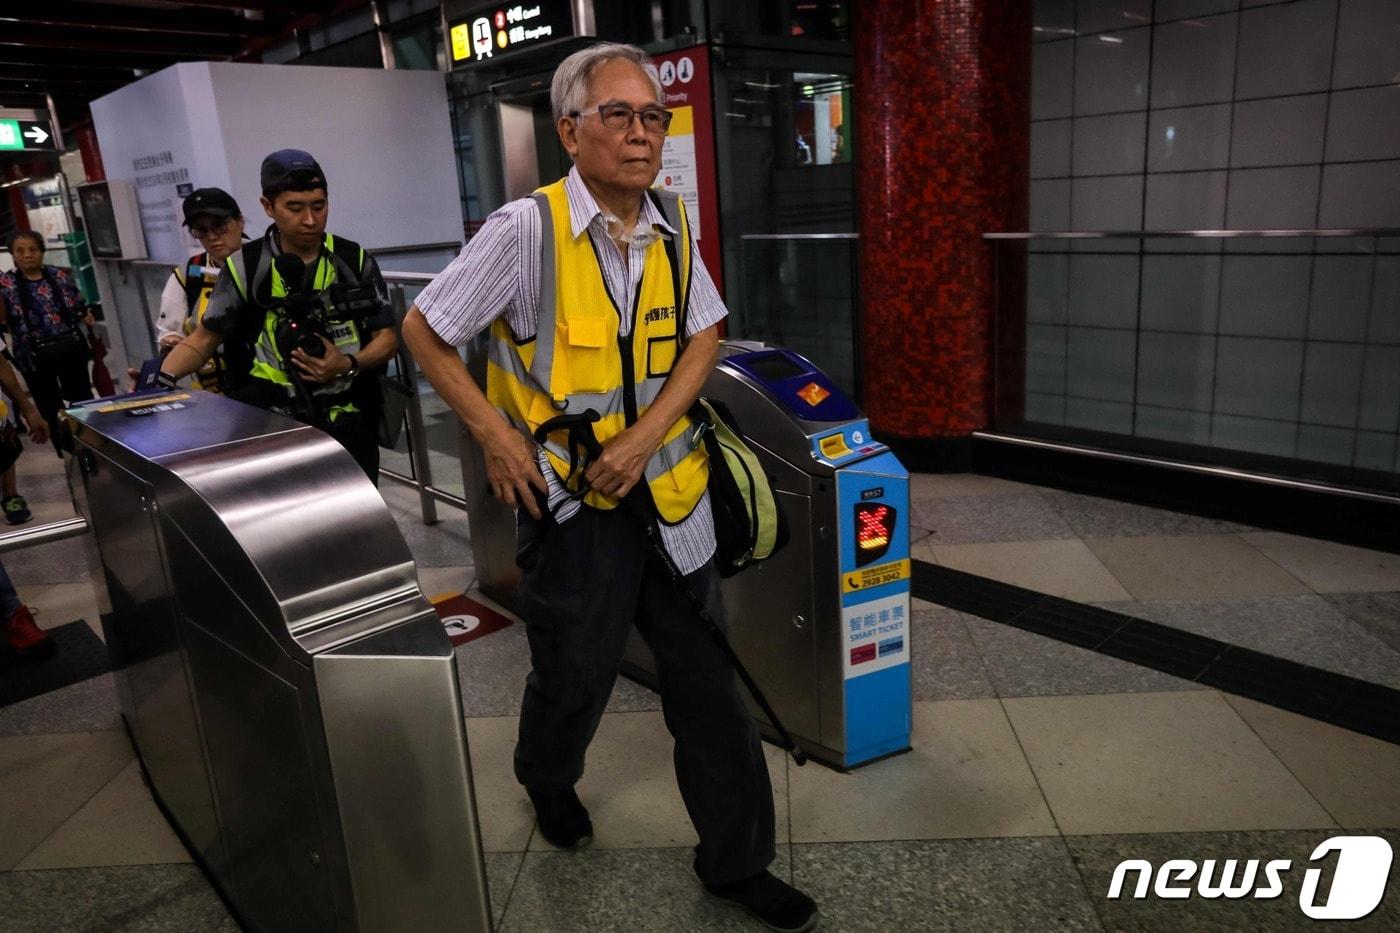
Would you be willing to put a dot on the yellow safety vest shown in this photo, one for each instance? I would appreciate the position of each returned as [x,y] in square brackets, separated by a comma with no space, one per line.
[210,375]
[578,361]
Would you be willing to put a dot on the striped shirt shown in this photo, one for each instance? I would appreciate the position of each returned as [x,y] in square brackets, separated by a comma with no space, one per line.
[497,273]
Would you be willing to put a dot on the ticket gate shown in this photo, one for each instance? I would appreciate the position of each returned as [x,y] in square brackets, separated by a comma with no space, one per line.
[292,695]
[823,625]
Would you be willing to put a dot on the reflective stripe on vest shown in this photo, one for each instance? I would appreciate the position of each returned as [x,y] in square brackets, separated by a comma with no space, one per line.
[577,360]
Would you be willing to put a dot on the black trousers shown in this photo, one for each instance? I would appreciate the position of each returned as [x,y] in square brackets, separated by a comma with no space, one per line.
[55,385]
[595,578]
[359,435]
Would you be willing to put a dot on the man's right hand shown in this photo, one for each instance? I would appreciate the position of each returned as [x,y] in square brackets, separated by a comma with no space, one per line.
[513,471]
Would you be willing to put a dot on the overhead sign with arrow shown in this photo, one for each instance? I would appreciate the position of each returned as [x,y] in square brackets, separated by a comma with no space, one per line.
[26,134]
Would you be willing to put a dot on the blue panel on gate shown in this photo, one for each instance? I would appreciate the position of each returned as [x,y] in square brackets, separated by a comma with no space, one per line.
[878,713]
[872,502]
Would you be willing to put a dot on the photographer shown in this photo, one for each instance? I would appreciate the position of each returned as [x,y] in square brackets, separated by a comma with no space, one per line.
[308,312]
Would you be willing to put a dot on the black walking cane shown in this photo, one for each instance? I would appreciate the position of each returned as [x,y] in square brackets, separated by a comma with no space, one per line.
[639,504]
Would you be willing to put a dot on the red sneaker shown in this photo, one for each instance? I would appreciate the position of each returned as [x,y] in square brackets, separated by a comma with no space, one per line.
[27,639]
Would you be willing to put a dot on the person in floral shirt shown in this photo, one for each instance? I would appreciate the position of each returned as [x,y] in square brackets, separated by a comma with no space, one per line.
[42,307]
[43,312]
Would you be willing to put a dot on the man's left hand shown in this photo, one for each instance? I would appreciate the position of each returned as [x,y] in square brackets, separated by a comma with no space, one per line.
[332,365]
[35,423]
[621,463]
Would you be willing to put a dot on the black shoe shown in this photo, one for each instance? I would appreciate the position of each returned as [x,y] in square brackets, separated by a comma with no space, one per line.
[563,820]
[16,509]
[778,904]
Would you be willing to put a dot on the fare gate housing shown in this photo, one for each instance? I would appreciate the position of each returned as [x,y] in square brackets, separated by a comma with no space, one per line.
[291,694]
[823,625]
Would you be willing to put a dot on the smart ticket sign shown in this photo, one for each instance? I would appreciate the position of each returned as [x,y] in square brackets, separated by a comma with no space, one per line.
[489,33]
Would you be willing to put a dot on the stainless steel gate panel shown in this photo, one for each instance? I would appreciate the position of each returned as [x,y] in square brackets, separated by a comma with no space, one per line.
[291,693]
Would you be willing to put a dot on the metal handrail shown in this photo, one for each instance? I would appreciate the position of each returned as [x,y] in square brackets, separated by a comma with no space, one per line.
[432,492]
[800,236]
[42,534]
[391,278]
[413,247]
[422,479]
[408,278]
[1191,234]
[377,251]
[1185,467]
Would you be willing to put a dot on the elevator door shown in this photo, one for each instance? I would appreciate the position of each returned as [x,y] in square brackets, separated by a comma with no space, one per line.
[530,145]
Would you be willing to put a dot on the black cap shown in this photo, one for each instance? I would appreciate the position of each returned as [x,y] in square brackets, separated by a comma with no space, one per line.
[291,170]
[214,202]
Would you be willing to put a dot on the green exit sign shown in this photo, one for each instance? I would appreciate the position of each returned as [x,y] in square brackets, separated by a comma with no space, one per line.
[25,134]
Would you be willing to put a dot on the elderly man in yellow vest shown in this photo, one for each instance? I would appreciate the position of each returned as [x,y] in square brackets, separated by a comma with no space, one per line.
[597,299]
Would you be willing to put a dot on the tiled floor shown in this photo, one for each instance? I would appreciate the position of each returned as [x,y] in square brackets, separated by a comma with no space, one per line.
[1323,604]
[1036,768]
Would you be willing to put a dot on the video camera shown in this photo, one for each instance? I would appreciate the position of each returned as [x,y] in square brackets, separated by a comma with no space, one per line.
[305,316]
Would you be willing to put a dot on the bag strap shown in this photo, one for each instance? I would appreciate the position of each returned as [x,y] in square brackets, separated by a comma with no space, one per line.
[194,286]
[351,254]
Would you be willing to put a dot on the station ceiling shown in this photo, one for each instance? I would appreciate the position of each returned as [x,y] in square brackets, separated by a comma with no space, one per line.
[79,50]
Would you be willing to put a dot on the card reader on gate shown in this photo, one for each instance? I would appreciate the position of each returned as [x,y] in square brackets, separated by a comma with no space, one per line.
[806,391]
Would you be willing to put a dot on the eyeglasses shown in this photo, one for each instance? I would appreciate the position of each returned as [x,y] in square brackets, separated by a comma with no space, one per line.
[619,117]
[217,228]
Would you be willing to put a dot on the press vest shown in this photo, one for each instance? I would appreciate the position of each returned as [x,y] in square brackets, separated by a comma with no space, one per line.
[197,278]
[341,260]
[578,360]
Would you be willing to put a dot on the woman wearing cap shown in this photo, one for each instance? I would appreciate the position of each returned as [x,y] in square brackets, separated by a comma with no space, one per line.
[213,218]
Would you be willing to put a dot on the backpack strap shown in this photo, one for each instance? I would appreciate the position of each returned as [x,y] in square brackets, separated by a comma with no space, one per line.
[350,254]
[249,268]
[194,284]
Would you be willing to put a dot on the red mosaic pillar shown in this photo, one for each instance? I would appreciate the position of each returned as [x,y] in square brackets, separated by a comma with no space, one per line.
[942,110]
[15,196]
[86,136]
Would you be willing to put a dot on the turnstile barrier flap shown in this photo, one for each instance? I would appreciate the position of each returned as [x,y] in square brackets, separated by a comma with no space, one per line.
[266,499]
[293,696]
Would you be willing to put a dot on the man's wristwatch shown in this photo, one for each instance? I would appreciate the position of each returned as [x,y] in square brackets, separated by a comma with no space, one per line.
[354,365]
[165,380]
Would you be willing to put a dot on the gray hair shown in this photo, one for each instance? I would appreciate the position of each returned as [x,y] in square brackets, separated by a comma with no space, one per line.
[568,92]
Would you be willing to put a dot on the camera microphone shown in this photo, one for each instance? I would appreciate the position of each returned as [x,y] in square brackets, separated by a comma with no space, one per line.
[292,270]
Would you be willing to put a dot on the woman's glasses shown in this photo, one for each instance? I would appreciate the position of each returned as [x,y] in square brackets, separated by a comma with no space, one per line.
[214,228]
